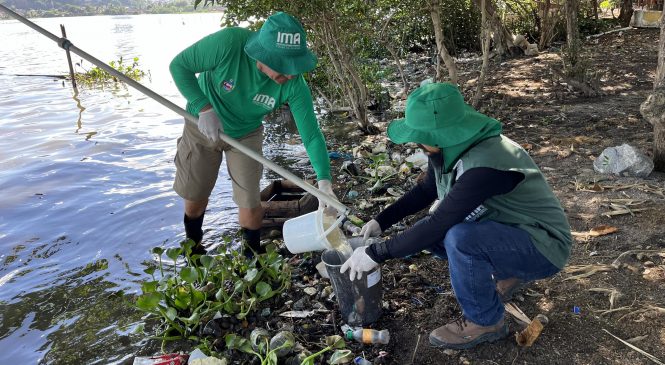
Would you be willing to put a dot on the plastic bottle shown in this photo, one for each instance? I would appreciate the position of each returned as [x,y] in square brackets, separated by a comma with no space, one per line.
[361,361]
[368,336]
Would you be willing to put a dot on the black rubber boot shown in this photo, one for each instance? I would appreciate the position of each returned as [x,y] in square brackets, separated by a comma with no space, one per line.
[194,231]
[252,238]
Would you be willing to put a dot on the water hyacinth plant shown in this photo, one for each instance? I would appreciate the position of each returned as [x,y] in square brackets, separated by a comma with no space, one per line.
[185,296]
[98,77]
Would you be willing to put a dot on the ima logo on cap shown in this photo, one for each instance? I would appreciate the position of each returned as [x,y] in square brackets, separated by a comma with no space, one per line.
[288,40]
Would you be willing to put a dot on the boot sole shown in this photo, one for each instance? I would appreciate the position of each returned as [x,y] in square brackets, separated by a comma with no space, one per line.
[487,337]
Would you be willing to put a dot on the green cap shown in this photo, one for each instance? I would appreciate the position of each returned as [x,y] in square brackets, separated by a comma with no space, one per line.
[349,334]
[281,44]
[436,115]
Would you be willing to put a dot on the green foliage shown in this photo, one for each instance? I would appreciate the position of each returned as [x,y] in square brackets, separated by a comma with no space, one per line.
[610,4]
[184,297]
[461,21]
[590,26]
[99,77]
[520,18]
[268,352]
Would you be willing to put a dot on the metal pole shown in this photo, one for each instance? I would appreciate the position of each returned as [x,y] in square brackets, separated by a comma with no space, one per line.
[69,58]
[67,45]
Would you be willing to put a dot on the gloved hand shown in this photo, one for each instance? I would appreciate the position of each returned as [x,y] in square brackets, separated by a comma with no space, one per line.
[325,186]
[370,229]
[358,263]
[209,124]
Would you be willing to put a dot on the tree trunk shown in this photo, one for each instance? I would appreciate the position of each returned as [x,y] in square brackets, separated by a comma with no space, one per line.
[441,51]
[572,33]
[626,12]
[653,109]
[345,71]
[389,46]
[595,9]
[546,26]
[503,39]
[485,45]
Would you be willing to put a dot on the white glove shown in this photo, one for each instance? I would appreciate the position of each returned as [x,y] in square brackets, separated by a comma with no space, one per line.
[209,124]
[358,263]
[370,229]
[325,186]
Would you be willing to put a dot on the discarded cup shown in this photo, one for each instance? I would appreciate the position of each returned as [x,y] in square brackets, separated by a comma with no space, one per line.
[167,359]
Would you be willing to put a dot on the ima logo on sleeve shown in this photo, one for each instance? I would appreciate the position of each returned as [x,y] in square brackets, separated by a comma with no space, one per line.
[288,40]
[265,101]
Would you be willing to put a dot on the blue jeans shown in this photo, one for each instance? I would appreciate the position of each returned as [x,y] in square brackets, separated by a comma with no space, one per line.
[481,252]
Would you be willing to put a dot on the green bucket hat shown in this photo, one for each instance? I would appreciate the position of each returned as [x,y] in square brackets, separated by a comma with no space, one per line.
[281,44]
[436,115]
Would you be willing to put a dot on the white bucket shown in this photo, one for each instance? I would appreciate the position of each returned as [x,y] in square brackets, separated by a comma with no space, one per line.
[305,233]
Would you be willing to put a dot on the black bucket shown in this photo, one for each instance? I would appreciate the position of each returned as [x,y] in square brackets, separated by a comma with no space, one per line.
[359,300]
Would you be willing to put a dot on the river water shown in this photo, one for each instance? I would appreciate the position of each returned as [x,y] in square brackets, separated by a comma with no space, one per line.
[86,185]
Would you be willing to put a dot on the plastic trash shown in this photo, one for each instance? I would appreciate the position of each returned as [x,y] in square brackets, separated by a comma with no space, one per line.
[361,361]
[369,336]
[166,359]
[337,155]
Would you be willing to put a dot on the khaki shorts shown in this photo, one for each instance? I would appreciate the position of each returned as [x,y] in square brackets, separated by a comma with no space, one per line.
[198,160]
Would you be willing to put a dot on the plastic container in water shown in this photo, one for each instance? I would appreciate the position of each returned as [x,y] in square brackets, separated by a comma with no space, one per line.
[314,232]
[359,300]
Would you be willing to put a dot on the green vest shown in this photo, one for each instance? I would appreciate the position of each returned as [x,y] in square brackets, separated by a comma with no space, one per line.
[531,205]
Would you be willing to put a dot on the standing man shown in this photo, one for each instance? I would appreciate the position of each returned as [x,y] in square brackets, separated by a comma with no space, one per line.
[499,224]
[243,76]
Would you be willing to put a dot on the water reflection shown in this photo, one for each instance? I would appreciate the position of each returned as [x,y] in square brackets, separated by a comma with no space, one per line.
[86,181]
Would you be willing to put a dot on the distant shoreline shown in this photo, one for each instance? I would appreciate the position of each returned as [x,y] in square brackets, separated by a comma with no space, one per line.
[31,14]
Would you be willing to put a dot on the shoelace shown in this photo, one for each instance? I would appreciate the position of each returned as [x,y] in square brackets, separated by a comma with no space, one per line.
[461,323]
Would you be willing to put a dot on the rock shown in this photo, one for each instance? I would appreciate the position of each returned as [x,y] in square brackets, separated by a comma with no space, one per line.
[301,304]
[531,50]
[520,41]
[310,291]
[624,160]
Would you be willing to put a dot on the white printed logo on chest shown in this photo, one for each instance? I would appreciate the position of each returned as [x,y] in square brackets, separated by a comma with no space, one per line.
[265,101]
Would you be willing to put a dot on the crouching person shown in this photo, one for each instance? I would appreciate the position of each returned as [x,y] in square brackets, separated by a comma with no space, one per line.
[499,224]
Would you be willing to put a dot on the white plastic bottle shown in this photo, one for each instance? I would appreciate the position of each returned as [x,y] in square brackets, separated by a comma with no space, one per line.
[369,336]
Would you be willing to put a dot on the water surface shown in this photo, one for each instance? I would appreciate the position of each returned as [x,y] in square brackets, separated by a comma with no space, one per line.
[86,185]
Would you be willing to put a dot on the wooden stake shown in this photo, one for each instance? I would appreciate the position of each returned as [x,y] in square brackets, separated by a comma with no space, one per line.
[69,59]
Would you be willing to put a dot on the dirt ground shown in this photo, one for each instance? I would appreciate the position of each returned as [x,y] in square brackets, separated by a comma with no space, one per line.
[613,283]
[563,132]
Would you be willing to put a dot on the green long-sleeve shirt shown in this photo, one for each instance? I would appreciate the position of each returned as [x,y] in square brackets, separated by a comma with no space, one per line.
[241,95]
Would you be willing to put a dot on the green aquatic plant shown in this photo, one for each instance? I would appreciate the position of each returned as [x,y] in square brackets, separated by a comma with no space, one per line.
[191,292]
[99,77]
[282,344]
[340,356]
[268,351]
